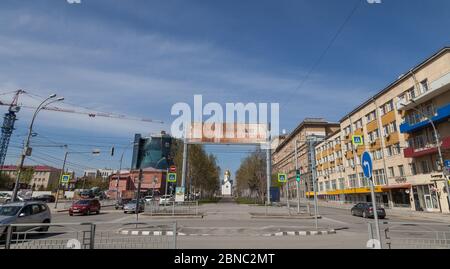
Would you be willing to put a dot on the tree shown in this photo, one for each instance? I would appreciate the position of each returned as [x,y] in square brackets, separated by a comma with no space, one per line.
[203,173]
[251,176]
[26,175]
[6,182]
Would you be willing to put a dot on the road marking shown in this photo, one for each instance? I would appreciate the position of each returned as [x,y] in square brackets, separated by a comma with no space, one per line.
[336,221]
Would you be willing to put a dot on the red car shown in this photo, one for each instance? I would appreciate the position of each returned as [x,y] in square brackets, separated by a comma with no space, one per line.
[85,207]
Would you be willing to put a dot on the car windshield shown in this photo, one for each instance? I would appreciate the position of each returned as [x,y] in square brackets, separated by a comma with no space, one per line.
[9,210]
[82,202]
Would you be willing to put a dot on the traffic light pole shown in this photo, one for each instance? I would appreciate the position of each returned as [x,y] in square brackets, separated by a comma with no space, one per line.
[297,174]
[375,212]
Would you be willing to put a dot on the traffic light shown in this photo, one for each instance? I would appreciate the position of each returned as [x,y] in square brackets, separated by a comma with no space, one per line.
[298,175]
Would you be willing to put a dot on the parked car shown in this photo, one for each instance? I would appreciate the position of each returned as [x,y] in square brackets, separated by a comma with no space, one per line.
[87,195]
[121,202]
[45,198]
[131,206]
[149,199]
[166,199]
[25,212]
[365,210]
[85,207]
[5,198]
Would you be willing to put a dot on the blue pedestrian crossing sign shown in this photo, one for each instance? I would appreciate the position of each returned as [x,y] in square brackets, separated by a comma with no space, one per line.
[367,164]
[65,178]
[172,177]
[282,178]
[357,140]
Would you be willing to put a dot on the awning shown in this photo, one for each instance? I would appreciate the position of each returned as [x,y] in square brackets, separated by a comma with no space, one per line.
[397,186]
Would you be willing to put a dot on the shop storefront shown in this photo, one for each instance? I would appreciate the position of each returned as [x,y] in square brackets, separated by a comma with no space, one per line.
[426,197]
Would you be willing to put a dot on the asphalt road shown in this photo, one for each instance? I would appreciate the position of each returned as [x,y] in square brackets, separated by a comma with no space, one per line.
[227,225]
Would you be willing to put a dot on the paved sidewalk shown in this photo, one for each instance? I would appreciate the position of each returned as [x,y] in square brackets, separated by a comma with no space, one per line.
[400,212]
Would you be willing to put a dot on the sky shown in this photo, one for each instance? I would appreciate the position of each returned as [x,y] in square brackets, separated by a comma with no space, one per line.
[138,58]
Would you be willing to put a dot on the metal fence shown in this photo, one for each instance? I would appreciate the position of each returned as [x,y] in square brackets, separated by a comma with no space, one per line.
[155,208]
[410,235]
[106,235]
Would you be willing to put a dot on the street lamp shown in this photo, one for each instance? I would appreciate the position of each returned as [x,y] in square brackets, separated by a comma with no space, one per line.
[438,142]
[94,152]
[27,149]
[120,169]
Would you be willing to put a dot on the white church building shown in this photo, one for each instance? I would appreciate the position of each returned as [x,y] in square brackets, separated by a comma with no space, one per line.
[227,184]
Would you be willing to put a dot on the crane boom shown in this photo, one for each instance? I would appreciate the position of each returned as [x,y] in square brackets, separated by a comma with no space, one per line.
[8,125]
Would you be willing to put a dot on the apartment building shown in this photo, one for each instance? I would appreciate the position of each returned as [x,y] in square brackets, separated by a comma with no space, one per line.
[42,178]
[283,157]
[397,131]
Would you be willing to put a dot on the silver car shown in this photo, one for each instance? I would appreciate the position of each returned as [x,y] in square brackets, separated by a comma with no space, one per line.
[24,213]
[131,206]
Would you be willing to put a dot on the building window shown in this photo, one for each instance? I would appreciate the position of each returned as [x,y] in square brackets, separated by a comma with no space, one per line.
[379,177]
[391,172]
[341,184]
[425,167]
[396,149]
[389,151]
[333,185]
[424,86]
[401,170]
[353,183]
[413,168]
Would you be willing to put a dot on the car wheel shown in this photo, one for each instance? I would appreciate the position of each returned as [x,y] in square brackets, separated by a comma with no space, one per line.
[364,215]
[98,212]
[353,213]
[44,228]
[71,215]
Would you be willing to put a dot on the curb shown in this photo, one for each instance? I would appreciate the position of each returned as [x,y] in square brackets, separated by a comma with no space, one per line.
[170,233]
[302,233]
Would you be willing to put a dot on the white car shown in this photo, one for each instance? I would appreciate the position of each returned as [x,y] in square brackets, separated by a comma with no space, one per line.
[165,200]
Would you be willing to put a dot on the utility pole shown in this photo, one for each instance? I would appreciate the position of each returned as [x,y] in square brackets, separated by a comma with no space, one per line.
[311,142]
[297,172]
[268,168]
[60,177]
[138,198]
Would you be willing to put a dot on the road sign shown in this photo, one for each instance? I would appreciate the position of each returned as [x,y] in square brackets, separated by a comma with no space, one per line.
[172,177]
[357,140]
[367,164]
[179,194]
[282,178]
[173,169]
[65,179]
[447,164]
[298,176]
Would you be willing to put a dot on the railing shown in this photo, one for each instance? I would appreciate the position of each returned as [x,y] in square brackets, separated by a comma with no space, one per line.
[404,235]
[106,235]
[171,208]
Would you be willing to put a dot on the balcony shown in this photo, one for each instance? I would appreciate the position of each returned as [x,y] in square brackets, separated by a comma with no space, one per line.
[437,87]
[416,153]
[442,114]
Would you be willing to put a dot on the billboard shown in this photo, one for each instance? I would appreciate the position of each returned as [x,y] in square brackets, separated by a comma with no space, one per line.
[227,133]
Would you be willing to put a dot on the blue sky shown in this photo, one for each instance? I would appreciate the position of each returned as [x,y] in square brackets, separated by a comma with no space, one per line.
[140,57]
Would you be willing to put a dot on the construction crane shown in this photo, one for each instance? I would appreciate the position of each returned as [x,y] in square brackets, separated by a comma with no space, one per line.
[10,118]
[8,125]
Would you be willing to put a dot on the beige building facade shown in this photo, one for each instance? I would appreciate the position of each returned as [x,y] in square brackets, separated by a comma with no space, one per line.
[283,157]
[396,128]
[42,178]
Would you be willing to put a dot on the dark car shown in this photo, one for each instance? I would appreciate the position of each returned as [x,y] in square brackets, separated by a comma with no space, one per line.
[131,206]
[45,198]
[365,210]
[121,202]
[85,207]
[87,195]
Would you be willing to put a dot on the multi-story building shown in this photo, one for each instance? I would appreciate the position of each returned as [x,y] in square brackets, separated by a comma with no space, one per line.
[283,157]
[397,131]
[103,173]
[42,178]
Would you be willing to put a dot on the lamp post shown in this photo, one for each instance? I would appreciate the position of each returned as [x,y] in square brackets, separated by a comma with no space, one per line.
[94,152]
[120,169]
[438,143]
[26,149]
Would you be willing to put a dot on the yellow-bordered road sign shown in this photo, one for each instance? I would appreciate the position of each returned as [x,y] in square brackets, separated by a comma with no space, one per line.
[357,140]
[172,177]
[65,178]
[282,178]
